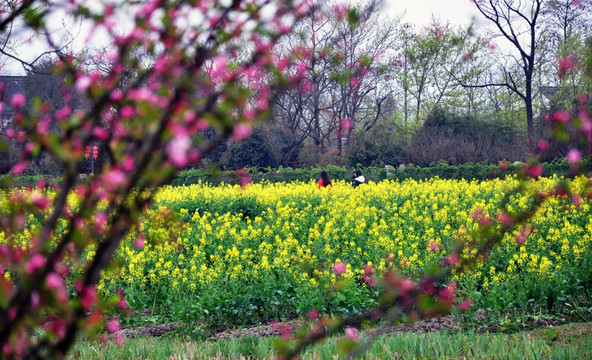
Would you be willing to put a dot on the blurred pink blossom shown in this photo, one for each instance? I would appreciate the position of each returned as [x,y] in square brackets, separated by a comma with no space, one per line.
[83,83]
[339,268]
[574,156]
[88,297]
[566,64]
[113,325]
[345,124]
[241,131]
[561,116]
[139,243]
[534,171]
[505,219]
[35,263]
[352,334]
[128,163]
[543,145]
[18,100]
[100,222]
[178,149]
[433,246]
[452,259]
[100,133]
[313,314]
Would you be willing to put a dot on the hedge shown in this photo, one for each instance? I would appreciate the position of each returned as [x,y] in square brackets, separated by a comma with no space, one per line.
[469,171]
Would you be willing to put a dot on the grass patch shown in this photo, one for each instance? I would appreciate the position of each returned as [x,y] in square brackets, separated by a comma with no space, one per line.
[572,341]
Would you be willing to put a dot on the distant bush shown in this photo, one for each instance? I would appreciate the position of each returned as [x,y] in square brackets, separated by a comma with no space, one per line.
[376,147]
[252,151]
[25,181]
[459,139]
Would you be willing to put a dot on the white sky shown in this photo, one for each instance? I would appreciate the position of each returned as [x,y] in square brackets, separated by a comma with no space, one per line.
[419,12]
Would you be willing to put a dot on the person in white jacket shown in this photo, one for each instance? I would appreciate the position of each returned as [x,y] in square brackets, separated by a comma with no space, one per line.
[358,178]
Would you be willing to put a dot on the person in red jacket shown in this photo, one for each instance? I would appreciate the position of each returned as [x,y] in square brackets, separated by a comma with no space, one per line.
[325,182]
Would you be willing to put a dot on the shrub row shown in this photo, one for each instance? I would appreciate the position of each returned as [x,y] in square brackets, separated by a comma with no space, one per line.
[469,171]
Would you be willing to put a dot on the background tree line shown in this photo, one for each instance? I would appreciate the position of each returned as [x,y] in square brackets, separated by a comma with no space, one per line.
[406,94]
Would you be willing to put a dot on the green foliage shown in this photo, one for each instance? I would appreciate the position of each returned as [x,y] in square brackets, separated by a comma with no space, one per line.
[441,169]
[461,139]
[252,151]
[377,147]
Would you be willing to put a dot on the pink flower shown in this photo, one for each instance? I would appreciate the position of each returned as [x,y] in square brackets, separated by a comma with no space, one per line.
[35,263]
[88,297]
[178,148]
[57,327]
[63,113]
[433,246]
[122,304]
[53,281]
[352,334]
[465,305]
[405,286]
[452,259]
[307,86]
[114,178]
[446,295]
[561,116]
[100,222]
[139,243]
[83,83]
[543,145]
[18,100]
[477,214]
[128,163]
[313,314]
[35,300]
[339,268]
[534,171]
[345,124]
[577,200]
[42,202]
[574,156]
[468,56]
[241,131]
[113,325]
[524,232]
[127,112]
[340,10]
[505,219]
[566,64]
[116,95]
[219,68]
[100,133]
[485,221]
[19,167]
[368,270]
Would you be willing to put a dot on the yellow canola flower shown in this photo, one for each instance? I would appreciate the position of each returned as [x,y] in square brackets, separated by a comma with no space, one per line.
[290,232]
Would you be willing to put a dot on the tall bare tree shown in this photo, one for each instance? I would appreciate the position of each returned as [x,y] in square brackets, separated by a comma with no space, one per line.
[517,21]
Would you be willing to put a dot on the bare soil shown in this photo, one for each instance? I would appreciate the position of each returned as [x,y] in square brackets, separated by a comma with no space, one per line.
[418,327]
